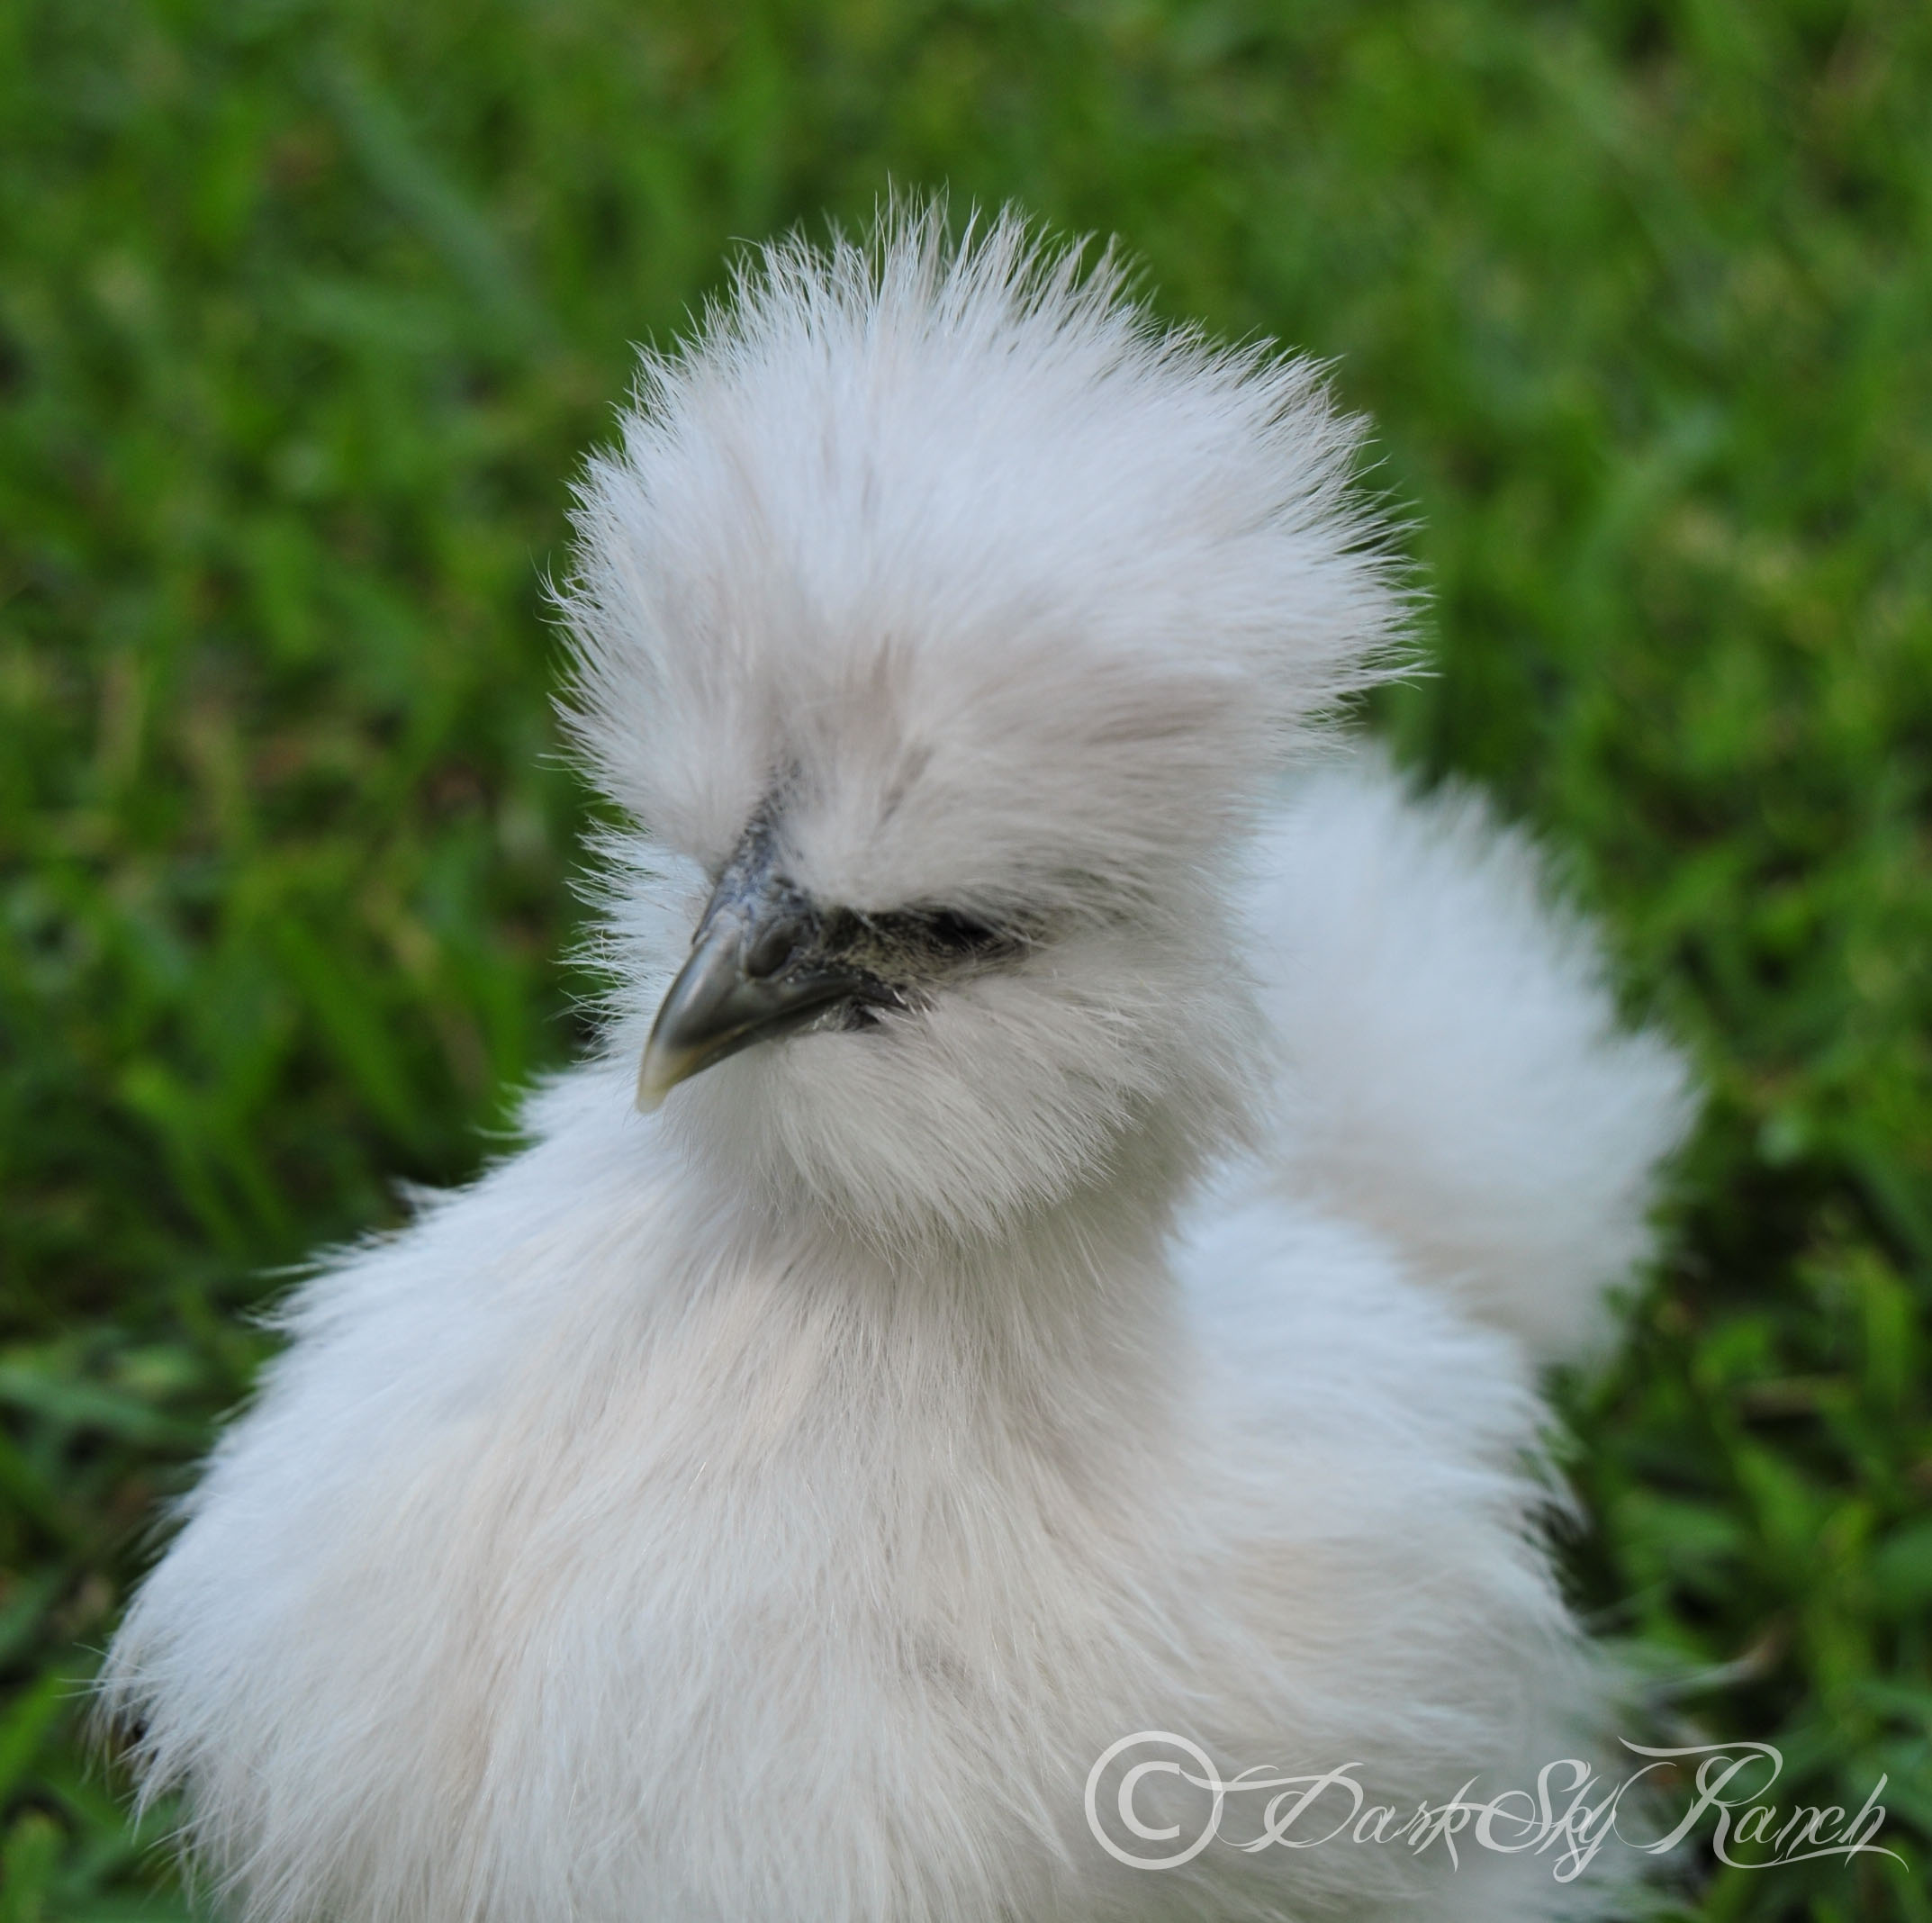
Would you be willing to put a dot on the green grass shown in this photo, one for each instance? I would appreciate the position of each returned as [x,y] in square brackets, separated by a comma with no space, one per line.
[307,313]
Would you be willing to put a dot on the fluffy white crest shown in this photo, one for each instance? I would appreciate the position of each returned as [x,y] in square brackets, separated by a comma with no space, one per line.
[1017,592]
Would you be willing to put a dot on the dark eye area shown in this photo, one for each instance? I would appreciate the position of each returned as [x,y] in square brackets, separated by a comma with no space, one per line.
[941,936]
[954,934]
[908,947]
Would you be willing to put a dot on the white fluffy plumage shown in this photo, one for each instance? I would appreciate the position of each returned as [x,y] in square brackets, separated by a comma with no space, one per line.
[1112,1306]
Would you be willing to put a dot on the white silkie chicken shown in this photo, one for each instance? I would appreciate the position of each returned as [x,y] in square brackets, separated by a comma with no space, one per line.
[1081,1263]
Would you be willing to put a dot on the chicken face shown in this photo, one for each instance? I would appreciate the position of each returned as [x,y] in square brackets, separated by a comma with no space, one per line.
[942,1051]
[954,621]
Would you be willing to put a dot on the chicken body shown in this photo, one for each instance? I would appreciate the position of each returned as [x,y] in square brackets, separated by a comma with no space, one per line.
[1115,1310]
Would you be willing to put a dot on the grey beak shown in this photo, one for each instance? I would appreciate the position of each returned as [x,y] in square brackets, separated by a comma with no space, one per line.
[758,968]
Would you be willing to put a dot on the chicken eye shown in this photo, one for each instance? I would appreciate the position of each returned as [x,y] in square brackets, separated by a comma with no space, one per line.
[911,937]
[956,933]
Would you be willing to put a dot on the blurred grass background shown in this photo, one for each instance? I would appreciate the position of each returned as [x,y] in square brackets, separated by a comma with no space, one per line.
[307,313]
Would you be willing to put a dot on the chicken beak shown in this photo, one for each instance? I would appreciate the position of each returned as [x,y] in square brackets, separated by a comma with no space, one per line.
[757,969]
